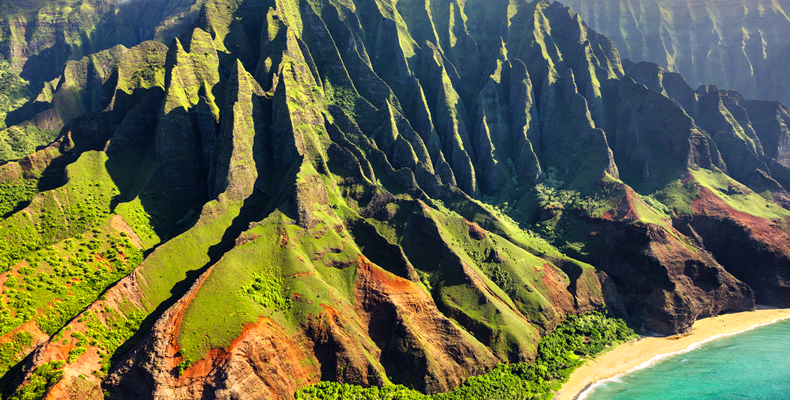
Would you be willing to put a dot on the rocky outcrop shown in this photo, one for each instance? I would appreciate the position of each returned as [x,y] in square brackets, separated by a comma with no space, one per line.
[393,192]
[397,313]
[263,362]
[656,138]
[57,56]
[673,281]
[734,237]
[769,120]
[723,117]
[41,37]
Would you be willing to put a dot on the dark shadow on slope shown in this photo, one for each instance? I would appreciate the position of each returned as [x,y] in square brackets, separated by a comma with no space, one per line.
[381,252]
[127,23]
[250,212]
[54,176]
[39,68]
[174,189]
[19,207]
[13,377]
[92,131]
[92,96]
[27,112]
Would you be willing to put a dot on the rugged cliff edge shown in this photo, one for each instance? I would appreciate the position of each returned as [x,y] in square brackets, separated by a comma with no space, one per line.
[372,192]
[737,44]
[38,38]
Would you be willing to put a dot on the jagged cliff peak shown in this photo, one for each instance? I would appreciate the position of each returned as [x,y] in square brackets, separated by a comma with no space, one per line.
[373,193]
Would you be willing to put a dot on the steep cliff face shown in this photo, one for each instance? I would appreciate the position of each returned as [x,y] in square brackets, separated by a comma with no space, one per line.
[734,44]
[45,45]
[40,36]
[375,193]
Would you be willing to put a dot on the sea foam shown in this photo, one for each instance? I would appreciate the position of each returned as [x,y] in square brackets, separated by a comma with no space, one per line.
[696,345]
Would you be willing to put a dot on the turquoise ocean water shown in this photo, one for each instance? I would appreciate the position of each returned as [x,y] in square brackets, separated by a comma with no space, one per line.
[751,365]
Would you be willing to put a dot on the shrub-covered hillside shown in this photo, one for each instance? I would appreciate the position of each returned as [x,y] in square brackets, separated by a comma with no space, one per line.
[372,193]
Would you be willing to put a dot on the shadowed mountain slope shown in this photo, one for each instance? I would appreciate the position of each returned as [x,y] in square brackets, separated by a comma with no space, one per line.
[46,44]
[375,192]
[735,44]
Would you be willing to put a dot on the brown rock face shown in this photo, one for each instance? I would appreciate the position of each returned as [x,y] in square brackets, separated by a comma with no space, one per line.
[754,250]
[670,281]
[475,232]
[264,362]
[383,192]
[398,314]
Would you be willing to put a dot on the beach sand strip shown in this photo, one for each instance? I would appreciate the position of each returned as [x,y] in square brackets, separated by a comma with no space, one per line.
[645,351]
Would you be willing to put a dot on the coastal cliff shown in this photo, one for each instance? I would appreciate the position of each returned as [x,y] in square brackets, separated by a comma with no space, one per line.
[372,192]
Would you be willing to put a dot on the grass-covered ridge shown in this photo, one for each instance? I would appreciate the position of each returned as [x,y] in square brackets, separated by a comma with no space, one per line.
[416,211]
[60,251]
[559,354]
[738,196]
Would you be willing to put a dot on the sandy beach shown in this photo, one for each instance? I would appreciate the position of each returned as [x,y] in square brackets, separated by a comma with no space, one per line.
[646,350]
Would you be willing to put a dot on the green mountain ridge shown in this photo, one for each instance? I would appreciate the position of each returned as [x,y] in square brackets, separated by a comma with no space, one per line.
[735,44]
[372,192]
[42,43]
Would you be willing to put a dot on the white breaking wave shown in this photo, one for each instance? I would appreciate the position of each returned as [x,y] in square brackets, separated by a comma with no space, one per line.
[591,387]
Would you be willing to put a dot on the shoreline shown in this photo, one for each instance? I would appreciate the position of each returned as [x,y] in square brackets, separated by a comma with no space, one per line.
[646,351]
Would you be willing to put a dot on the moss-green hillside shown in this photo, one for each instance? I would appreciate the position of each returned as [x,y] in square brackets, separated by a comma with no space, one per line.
[368,193]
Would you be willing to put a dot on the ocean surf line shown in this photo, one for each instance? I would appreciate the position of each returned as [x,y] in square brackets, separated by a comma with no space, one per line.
[748,364]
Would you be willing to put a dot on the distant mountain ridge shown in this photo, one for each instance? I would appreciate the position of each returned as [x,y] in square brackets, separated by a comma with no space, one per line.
[52,32]
[735,44]
[371,192]
[38,38]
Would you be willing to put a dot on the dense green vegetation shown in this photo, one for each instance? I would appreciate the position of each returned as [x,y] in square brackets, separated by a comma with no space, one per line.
[553,194]
[59,254]
[86,275]
[332,390]
[71,210]
[559,353]
[43,378]
[54,285]
[18,141]
[10,351]
[16,193]
[14,91]
[266,290]
[331,194]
